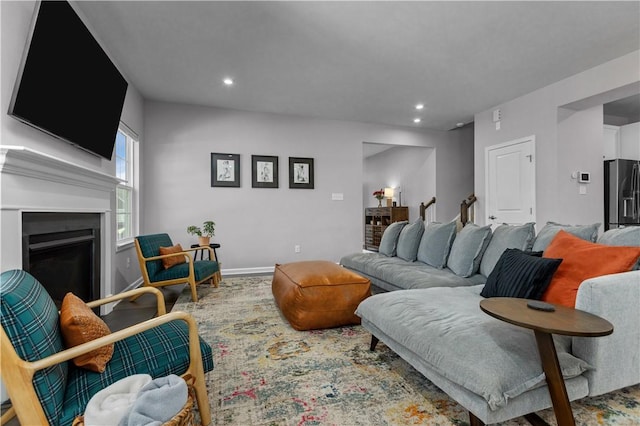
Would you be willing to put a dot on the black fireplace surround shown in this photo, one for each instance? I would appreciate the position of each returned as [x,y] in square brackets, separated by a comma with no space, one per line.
[62,251]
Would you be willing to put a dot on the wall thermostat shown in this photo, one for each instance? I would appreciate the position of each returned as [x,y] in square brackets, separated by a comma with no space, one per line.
[584,177]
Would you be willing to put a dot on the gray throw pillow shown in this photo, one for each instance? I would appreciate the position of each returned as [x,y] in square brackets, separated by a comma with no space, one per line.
[467,249]
[506,237]
[546,234]
[629,237]
[389,240]
[409,240]
[436,243]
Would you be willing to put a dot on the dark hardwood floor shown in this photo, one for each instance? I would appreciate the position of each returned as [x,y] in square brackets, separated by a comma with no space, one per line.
[127,313]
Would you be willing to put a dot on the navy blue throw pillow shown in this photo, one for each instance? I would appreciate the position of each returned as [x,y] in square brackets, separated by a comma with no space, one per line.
[518,274]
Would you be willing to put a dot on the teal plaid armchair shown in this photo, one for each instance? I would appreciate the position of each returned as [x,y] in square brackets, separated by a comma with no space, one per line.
[44,385]
[192,272]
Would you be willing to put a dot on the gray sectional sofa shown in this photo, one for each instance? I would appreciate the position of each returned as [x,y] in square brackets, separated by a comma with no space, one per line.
[490,367]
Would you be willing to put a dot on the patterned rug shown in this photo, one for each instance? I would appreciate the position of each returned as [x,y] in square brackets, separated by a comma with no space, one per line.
[267,373]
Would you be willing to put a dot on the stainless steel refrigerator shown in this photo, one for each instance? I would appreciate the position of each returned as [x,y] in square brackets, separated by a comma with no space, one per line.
[621,193]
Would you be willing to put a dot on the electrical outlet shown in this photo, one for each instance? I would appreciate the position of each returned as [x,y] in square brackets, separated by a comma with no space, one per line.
[296,248]
[128,262]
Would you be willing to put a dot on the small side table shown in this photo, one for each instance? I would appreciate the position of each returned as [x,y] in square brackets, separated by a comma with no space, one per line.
[565,321]
[214,246]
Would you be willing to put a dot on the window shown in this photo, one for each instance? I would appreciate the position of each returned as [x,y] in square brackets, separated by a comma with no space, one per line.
[126,212]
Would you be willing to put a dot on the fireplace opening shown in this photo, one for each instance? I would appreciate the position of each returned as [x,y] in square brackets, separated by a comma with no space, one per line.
[62,251]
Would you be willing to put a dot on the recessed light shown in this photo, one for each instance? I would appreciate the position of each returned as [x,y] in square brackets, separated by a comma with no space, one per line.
[419,106]
[416,120]
[228,81]
[459,124]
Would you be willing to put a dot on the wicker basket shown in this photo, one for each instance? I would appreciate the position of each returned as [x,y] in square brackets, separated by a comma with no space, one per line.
[184,417]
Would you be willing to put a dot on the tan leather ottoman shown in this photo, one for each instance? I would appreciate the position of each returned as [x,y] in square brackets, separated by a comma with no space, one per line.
[318,294]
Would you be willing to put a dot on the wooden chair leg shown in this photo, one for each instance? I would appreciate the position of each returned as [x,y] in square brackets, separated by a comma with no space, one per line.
[8,415]
[194,291]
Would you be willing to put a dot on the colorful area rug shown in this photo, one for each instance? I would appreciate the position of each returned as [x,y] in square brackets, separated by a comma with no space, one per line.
[266,373]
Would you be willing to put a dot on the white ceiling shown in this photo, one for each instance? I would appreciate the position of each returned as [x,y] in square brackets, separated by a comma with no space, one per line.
[359,61]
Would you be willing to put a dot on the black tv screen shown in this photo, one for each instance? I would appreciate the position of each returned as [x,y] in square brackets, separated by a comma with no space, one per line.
[67,86]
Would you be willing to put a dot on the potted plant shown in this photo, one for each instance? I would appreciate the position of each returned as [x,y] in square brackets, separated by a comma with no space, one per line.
[205,233]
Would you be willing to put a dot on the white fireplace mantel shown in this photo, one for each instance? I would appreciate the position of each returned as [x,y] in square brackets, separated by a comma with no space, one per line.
[32,181]
[20,160]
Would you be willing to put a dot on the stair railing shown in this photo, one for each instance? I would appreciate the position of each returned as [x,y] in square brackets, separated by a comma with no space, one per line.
[468,210]
[428,215]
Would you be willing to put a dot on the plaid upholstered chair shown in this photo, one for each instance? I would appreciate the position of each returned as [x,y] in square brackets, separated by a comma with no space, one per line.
[176,266]
[45,387]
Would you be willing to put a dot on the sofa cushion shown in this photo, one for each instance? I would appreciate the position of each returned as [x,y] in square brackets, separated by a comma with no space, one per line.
[583,260]
[629,236]
[409,240]
[447,331]
[546,234]
[467,249]
[389,241]
[517,274]
[504,237]
[435,244]
[393,273]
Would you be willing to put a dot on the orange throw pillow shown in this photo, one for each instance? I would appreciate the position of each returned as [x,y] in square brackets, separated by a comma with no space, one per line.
[168,262]
[79,324]
[583,260]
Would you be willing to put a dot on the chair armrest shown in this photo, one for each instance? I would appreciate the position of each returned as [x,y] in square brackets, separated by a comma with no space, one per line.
[162,310]
[162,256]
[75,351]
[212,254]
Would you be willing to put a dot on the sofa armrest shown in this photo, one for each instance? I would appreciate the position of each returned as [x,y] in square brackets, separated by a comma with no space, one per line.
[615,358]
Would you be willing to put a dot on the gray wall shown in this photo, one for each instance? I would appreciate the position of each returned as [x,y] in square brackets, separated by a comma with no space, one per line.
[567,120]
[413,169]
[16,21]
[259,227]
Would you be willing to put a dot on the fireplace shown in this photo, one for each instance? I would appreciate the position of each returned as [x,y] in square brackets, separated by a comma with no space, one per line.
[56,222]
[62,251]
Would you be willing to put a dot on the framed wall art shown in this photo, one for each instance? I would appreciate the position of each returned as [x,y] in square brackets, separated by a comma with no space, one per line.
[225,170]
[264,171]
[300,173]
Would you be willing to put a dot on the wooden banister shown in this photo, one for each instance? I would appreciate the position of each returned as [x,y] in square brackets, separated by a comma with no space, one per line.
[464,208]
[424,207]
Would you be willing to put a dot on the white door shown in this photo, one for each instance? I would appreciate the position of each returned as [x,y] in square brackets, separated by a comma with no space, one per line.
[510,182]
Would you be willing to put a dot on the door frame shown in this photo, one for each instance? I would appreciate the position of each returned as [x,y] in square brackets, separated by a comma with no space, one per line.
[532,139]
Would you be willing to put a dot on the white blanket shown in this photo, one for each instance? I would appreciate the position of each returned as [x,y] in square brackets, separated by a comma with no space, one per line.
[108,406]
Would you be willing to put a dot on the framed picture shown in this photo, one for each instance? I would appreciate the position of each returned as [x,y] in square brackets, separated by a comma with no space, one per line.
[300,173]
[225,170]
[264,171]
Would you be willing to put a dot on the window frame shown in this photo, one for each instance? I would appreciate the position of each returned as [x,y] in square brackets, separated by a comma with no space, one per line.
[130,184]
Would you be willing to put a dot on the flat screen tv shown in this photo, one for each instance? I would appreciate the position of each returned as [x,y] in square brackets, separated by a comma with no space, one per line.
[67,86]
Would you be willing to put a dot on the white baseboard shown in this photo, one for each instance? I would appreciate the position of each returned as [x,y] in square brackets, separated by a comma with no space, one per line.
[248,271]
[105,309]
